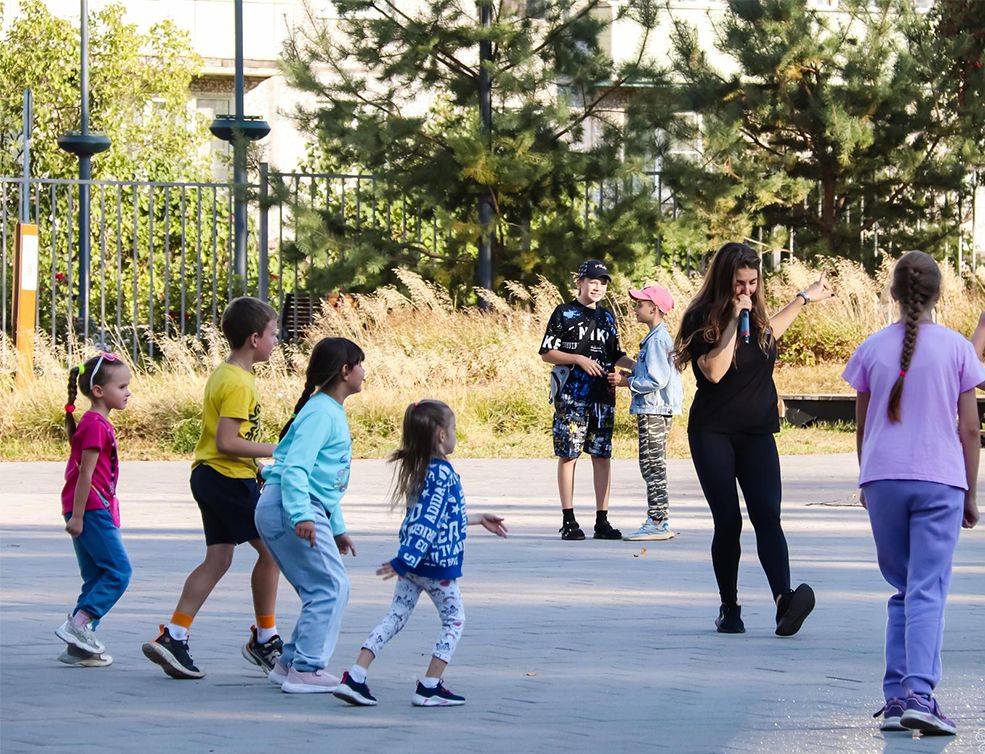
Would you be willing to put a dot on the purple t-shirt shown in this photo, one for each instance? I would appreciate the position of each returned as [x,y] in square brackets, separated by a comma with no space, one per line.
[924,445]
[94,432]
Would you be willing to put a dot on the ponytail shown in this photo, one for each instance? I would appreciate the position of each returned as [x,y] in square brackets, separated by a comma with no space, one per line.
[73,391]
[916,280]
[328,358]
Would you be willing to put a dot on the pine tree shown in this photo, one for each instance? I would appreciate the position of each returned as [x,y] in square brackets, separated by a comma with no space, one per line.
[551,80]
[842,127]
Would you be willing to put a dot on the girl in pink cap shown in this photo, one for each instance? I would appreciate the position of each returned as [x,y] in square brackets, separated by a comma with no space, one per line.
[657,395]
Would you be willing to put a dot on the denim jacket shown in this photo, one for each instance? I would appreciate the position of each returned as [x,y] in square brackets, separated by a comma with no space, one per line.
[655,385]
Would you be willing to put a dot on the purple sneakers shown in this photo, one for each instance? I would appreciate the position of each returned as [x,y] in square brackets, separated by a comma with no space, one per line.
[891,713]
[923,714]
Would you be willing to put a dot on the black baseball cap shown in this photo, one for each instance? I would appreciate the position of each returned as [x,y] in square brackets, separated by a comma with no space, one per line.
[594,269]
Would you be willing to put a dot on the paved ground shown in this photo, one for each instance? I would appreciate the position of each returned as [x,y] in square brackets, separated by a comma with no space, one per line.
[569,647]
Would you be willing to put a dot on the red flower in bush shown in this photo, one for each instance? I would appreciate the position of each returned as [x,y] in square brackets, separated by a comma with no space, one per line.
[59,276]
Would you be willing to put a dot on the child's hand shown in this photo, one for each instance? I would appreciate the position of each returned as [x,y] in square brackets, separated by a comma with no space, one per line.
[619,379]
[970,511]
[344,543]
[386,571]
[861,499]
[493,523]
[74,526]
[592,368]
[306,530]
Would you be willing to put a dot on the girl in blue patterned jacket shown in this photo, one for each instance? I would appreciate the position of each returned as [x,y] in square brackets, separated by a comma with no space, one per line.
[432,547]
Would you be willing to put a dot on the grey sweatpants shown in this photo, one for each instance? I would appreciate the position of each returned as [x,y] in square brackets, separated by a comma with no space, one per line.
[653,430]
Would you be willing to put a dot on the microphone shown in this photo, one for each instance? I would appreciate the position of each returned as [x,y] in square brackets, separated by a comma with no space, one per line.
[744,325]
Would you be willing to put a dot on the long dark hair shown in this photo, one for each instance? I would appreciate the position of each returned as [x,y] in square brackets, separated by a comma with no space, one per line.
[86,384]
[325,365]
[713,302]
[916,280]
[422,420]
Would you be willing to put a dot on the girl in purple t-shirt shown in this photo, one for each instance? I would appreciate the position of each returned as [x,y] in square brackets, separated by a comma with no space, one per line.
[918,447]
[90,507]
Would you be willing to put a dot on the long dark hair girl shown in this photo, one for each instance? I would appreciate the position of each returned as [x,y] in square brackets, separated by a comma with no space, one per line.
[422,420]
[714,302]
[94,371]
[916,284]
[325,367]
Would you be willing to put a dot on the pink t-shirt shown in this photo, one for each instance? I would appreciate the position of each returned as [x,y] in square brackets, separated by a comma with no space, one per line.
[924,445]
[94,431]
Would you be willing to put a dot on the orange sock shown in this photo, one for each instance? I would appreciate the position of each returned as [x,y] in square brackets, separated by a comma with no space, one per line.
[179,625]
[266,628]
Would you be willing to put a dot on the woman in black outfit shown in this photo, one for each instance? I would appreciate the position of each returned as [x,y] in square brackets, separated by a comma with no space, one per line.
[732,421]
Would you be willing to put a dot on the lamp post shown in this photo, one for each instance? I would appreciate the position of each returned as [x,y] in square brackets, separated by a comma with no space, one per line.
[84,144]
[239,129]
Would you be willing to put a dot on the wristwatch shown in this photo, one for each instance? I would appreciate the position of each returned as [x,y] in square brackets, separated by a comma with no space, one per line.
[803,295]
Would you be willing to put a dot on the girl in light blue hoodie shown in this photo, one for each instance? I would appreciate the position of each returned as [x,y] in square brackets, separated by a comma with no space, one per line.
[657,395]
[299,515]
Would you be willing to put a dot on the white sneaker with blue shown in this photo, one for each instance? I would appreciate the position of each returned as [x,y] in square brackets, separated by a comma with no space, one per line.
[651,530]
[436,696]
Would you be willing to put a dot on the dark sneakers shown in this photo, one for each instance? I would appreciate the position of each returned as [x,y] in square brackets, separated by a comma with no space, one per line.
[891,713]
[436,697]
[792,608]
[571,531]
[729,620]
[604,530]
[172,655]
[264,655]
[356,694]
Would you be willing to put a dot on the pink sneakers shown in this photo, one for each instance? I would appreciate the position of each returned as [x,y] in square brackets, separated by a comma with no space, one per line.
[315,682]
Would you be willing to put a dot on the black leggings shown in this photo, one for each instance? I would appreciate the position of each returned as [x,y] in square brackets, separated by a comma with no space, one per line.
[720,460]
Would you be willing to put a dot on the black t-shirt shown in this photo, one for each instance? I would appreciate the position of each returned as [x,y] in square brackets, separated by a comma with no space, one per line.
[575,328]
[744,401]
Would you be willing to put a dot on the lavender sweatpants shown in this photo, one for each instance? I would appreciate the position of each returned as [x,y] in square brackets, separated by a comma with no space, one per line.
[915,526]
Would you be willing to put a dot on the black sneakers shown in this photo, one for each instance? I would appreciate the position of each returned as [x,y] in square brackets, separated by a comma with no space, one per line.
[792,608]
[436,697]
[571,531]
[172,655]
[356,694]
[729,620]
[604,530]
[264,655]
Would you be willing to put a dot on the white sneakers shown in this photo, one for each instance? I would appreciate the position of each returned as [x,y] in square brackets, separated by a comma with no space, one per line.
[81,637]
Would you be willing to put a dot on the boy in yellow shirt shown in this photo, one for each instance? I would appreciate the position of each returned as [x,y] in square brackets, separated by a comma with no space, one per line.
[224,484]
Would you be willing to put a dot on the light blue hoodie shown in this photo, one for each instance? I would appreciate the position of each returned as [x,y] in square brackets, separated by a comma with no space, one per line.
[311,463]
[655,385]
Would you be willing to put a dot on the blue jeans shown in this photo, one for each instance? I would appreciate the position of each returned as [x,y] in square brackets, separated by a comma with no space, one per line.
[317,575]
[915,526]
[103,563]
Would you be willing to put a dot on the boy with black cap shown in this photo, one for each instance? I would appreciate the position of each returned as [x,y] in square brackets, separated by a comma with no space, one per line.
[582,343]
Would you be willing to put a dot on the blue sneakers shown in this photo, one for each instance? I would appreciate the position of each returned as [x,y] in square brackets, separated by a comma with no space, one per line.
[923,714]
[891,713]
[356,694]
[436,697]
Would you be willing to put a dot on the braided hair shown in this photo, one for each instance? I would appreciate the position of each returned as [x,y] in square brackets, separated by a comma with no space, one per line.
[916,283]
[328,358]
[86,385]
[422,420]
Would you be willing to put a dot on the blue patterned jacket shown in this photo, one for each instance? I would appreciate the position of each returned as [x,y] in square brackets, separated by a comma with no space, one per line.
[432,535]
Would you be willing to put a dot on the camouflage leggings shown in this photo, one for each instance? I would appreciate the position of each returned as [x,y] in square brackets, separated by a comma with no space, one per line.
[653,430]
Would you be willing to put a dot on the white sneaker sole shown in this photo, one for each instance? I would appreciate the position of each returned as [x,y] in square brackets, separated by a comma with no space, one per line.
[69,638]
[649,537]
[892,723]
[168,663]
[926,723]
[425,701]
[95,661]
[305,688]
[350,696]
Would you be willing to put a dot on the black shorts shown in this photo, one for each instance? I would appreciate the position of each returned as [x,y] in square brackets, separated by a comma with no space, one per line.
[227,505]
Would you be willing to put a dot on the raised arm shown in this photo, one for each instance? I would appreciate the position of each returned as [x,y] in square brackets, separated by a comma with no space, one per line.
[780,321]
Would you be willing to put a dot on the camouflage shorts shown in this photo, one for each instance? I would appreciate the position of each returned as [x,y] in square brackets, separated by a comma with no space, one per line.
[582,425]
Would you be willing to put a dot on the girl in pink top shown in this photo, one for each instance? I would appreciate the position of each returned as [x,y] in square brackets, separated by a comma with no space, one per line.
[90,507]
[918,445]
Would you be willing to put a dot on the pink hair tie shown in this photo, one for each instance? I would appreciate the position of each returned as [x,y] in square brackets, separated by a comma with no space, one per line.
[416,404]
[69,408]
[902,373]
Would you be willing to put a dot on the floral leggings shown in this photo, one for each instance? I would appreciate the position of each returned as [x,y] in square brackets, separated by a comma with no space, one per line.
[446,598]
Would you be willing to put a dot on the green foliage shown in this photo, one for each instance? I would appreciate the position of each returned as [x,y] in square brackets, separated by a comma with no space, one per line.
[836,125]
[541,165]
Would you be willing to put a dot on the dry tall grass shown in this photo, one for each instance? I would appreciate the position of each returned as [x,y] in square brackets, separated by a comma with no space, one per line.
[484,364]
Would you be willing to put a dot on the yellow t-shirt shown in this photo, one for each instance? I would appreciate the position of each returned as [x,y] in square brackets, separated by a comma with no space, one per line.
[231,392]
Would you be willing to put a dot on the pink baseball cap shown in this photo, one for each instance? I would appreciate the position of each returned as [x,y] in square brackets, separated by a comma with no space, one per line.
[656,295]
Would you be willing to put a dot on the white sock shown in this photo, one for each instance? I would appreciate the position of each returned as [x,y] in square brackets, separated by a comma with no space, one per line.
[266,634]
[177,632]
[358,673]
[430,683]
